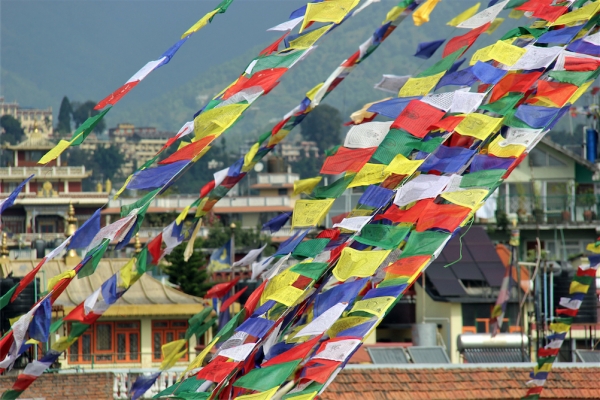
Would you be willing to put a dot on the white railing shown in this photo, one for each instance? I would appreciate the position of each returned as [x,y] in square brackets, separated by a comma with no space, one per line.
[172,202]
[254,201]
[277,179]
[42,172]
[123,381]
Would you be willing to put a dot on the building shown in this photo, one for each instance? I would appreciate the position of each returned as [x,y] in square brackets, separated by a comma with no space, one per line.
[42,207]
[29,117]
[131,332]
[299,150]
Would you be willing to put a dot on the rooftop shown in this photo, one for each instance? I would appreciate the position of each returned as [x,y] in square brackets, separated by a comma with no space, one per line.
[459,382]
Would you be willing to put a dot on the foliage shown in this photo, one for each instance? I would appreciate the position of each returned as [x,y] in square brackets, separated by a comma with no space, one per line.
[161,219]
[190,276]
[13,132]
[323,126]
[63,126]
[218,235]
[308,167]
[105,163]
[82,111]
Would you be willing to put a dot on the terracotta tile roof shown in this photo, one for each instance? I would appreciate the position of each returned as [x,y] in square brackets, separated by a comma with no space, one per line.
[458,383]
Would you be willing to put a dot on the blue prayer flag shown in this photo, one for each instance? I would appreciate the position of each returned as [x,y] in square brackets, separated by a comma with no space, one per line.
[153,178]
[358,330]
[536,116]
[487,73]
[10,200]
[559,36]
[426,49]
[39,329]
[447,159]
[345,292]
[464,77]
[583,47]
[86,232]
[109,290]
[142,384]
[456,66]
[290,245]
[256,327]
[276,223]
[221,258]
[483,162]
[393,107]
[393,291]
[376,196]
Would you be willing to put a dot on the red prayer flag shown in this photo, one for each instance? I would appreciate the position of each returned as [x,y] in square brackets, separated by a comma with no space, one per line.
[417,117]
[442,216]
[78,314]
[221,289]
[352,60]
[217,370]
[407,266]
[533,5]
[319,370]
[465,40]
[190,151]
[448,124]
[27,279]
[557,92]
[347,160]
[155,248]
[331,233]
[273,46]
[254,298]
[547,352]
[23,382]
[266,79]
[550,13]
[566,311]
[232,299]
[514,83]
[206,189]
[115,96]
[535,390]
[581,64]
[410,216]
[295,353]
[586,272]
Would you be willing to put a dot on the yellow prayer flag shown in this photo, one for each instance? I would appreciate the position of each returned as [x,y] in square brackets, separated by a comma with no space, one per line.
[287,295]
[32,341]
[422,14]
[181,217]
[515,14]
[544,368]
[537,24]
[55,152]
[369,174]
[183,144]
[345,323]
[199,359]
[64,275]
[505,53]
[116,196]
[126,273]
[278,137]
[375,305]
[582,14]
[420,86]
[358,116]
[202,22]
[496,148]
[308,39]
[217,120]
[466,198]
[306,396]
[259,396]
[306,185]
[393,14]
[358,263]
[249,157]
[579,92]
[560,327]
[479,126]
[308,213]
[592,247]
[465,15]
[494,25]
[311,93]
[64,343]
[401,165]
[327,11]
[577,287]
[172,352]
[482,55]
[278,282]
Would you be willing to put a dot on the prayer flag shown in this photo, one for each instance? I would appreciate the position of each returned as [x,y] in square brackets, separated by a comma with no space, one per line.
[463,16]
[426,49]
[309,213]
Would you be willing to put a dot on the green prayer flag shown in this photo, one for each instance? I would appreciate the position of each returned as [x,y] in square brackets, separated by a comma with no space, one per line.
[56,324]
[545,360]
[443,65]
[524,30]
[397,141]
[126,209]
[149,163]
[427,146]
[87,127]
[584,280]
[5,299]
[199,318]
[77,329]
[504,105]
[309,248]
[227,331]
[277,60]
[514,122]
[313,387]
[218,193]
[335,189]
[330,152]
[188,385]
[424,243]
[574,77]
[90,267]
[515,3]
[485,178]
[266,378]
[385,236]
[11,394]
[312,270]
[393,282]
[141,262]
[264,137]
[223,6]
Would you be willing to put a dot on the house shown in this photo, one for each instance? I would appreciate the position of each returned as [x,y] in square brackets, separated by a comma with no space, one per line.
[29,118]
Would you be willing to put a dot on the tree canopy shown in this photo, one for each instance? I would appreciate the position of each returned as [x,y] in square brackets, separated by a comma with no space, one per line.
[13,132]
[82,111]
[63,126]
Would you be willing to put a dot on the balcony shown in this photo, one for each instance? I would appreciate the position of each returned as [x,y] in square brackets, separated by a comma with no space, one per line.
[276,178]
[579,209]
[43,172]
[255,201]
[171,202]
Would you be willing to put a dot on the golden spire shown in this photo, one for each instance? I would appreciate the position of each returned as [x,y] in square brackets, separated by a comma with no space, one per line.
[4,249]
[138,244]
[72,258]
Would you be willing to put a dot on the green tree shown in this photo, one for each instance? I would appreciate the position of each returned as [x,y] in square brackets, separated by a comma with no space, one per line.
[323,126]
[190,276]
[82,111]
[63,126]
[107,161]
[308,167]
[13,132]
[219,234]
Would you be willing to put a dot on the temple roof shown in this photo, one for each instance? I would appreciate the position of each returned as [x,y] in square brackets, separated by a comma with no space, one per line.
[35,141]
[147,297]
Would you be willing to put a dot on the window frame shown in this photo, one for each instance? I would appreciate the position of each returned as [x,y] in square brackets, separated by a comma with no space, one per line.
[178,332]
[113,351]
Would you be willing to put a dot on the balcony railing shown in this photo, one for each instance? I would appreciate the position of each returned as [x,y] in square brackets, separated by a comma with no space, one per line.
[184,201]
[45,172]
[551,209]
[277,179]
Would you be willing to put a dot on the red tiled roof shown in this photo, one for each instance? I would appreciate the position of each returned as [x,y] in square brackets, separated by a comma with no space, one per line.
[459,383]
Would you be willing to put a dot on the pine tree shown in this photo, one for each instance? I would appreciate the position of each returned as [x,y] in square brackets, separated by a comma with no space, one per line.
[190,276]
[63,126]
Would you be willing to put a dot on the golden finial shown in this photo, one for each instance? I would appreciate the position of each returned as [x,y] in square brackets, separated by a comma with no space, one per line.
[72,258]
[138,244]
[4,249]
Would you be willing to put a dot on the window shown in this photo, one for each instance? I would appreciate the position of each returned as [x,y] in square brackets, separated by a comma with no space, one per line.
[108,342]
[164,332]
[539,158]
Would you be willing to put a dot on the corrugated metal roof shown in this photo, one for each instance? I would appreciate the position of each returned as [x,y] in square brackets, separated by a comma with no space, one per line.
[387,355]
[495,355]
[588,356]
